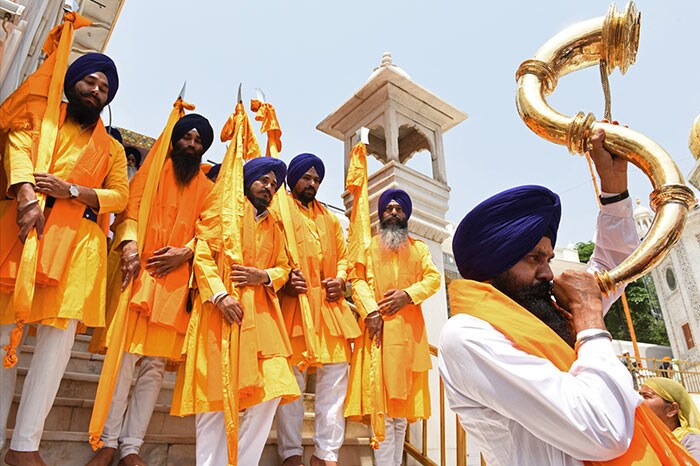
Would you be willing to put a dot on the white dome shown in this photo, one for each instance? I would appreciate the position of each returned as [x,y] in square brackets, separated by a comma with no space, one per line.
[642,211]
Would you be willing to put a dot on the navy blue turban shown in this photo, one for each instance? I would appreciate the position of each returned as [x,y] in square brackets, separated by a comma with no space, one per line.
[114,132]
[92,63]
[301,164]
[500,231]
[213,172]
[398,195]
[135,152]
[193,121]
[256,168]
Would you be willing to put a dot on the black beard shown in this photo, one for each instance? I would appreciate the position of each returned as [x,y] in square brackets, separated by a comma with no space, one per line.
[538,300]
[86,115]
[185,166]
[306,196]
[259,203]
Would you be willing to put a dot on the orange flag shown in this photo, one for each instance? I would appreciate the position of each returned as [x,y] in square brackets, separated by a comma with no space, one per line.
[359,241]
[228,203]
[24,104]
[283,204]
[116,334]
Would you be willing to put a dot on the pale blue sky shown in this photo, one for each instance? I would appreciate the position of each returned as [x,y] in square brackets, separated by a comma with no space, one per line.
[311,56]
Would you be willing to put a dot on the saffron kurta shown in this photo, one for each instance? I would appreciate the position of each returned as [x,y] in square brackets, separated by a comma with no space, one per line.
[157,317]
[80,291]
[405,350]
[322,254]
[264,369]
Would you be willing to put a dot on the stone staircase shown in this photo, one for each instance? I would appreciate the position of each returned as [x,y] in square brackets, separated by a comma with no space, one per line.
[169,441]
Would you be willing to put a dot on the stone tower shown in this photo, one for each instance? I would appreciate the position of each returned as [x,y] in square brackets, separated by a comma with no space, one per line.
[677,280]
[404,120]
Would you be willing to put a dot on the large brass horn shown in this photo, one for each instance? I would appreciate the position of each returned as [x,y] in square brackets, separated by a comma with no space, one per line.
[614,39]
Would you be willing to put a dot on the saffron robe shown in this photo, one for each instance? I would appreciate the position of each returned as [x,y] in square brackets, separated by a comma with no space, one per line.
[265,372]
[157,318]
[405,350]
[80,291]
[322,254]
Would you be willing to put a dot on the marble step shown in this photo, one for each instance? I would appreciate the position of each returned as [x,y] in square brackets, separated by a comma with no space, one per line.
[81,361]
[83,386]
[73,415]
[61,448]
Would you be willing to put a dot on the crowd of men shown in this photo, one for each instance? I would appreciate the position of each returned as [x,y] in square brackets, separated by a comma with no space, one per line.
[534,380]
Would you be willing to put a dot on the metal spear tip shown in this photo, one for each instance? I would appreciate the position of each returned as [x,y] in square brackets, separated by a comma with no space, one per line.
[260,95]
[70,6]
[363,135]
[181,95]
[240,95]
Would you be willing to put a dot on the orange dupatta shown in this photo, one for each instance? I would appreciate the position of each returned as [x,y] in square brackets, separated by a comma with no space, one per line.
[116,334]
[283,204]
[227,203]
[37,103]
[652,443]
[359,256]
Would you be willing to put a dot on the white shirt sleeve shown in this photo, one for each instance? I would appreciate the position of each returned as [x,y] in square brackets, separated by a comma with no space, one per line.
[615,238]
[587,412]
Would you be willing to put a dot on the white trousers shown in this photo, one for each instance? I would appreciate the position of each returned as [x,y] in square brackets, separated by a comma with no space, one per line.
[127,432]
[329,428]
[390,452]
[253,430]
[51,356]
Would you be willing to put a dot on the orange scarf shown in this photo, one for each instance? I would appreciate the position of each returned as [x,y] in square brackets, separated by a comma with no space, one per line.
[171,222]
[56,247]
[337,315]
[652,443]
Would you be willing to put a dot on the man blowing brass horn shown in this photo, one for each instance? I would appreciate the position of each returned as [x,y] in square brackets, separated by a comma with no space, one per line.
[544,385]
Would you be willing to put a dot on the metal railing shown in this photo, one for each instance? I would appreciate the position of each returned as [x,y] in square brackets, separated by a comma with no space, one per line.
[687,373]
[420,454]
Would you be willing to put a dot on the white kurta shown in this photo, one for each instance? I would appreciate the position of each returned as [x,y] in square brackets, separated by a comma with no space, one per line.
[519,408]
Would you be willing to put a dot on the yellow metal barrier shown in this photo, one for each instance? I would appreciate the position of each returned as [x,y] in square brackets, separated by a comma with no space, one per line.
[687,373]
[420,455]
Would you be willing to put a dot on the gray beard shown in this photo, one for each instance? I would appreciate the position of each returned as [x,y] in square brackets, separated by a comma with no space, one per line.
[392,236]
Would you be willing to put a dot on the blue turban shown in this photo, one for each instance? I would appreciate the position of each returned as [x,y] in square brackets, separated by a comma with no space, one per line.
[300,165]
[256,168]
[92,63]
[398,195]
[213,172]
[135,152]
[116,134]
[501,230]
[193,121]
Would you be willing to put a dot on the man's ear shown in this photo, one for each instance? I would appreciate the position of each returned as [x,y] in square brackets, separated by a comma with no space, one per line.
[672,410]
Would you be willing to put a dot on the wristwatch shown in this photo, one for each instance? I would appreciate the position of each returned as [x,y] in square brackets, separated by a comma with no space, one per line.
[73,191]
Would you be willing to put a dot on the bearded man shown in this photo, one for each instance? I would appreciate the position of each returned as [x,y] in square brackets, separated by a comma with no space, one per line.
[404,277]
[87,182]
[321,277]
[265,377]
[157,318]
[532,381]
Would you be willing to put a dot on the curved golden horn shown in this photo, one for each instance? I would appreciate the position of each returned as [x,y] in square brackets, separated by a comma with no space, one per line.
[614,39]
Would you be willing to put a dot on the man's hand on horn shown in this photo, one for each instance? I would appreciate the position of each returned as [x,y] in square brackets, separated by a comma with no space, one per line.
[611,168]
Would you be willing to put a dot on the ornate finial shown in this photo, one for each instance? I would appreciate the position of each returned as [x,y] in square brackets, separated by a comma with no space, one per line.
[639,202]
[386,59]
